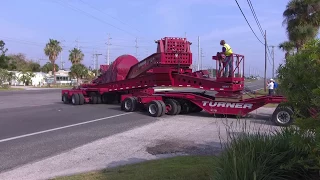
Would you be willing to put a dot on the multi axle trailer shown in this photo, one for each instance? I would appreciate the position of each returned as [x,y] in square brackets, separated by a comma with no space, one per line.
[132,84]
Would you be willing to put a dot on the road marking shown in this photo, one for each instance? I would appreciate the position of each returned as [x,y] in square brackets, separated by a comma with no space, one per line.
[63,127]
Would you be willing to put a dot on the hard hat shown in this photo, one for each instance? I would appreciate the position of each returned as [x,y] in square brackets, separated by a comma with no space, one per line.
[271,80]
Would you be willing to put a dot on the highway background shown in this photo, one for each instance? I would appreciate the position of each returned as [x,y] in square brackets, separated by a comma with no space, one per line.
[36,124]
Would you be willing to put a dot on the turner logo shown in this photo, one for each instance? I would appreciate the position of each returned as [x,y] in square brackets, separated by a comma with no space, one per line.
[227,104]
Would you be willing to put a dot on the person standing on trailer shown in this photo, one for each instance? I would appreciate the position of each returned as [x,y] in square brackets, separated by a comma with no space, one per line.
[270,86]
[227,51]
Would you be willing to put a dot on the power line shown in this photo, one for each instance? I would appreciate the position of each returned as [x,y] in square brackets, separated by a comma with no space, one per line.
[94,17]
[107,14]
[248,22]
[255,17]
[259,26]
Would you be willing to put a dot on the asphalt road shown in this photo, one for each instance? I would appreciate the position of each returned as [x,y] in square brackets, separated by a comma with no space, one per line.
[255,85]
[35,125]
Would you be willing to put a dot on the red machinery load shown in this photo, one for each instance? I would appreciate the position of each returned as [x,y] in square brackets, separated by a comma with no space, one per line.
[132,83]
[119,69]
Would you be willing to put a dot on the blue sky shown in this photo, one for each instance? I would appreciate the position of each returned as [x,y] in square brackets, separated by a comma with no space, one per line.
[27,25]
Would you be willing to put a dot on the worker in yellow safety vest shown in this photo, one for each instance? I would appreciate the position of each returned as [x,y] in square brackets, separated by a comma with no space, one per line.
[227,51]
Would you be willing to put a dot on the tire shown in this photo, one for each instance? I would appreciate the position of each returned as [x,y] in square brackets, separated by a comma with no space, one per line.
[173,106]
[164,108]
[129,104]
[65,99]
[185,107]
[155,109]
[99,100]
[81,99]
[282,116]
[75,99]
[104,98]
[178,107]
[94,99]
[195,108]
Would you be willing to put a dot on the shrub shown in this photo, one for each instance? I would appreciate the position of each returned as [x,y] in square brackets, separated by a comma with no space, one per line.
[266,156]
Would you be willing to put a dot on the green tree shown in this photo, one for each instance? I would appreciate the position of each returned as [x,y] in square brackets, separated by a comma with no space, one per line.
[302,18]
[26,78]
[19,62]
[3,57]
[287,47]
[4,76]
[78,71]
[52,50]
[48,67]
[34,67]
[76,56]
[300,84]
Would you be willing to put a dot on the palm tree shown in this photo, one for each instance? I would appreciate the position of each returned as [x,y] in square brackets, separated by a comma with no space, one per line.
[78,71]
[76,56]
[302,18]
[52,50]
[287,47]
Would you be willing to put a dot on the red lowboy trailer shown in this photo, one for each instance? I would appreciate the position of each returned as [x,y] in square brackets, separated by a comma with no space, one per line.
[131,83]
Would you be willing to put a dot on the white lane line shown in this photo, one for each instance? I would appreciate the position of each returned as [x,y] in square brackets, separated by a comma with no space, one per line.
[63,127]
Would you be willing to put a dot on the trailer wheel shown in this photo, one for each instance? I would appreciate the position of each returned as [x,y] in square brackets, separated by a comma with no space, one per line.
[164,108]
[129,104]
[155,109]
[65,99]
[81,99]
[282,116]
[185,107]
[75,99]
[173,106]
[99,100]
[94,99]
[195,109]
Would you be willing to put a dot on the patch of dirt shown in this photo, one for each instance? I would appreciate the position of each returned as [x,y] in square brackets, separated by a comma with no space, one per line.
[184,147]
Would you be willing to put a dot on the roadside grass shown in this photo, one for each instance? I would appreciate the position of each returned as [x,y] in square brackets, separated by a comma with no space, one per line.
[250,80]
[267,156]
[181,167]
[11,89]
[55,86]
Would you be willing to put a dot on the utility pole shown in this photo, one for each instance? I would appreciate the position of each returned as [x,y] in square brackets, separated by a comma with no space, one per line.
[272,61]
[265,61]
[108,49]
[201,58]
[96,62]
[199,54]
[61,60]
[136,46]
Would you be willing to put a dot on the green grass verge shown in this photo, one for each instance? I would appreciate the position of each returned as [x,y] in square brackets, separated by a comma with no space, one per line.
[182,167]
[11,89]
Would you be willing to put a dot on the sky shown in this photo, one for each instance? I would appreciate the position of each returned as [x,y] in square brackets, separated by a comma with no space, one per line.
[26,26]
